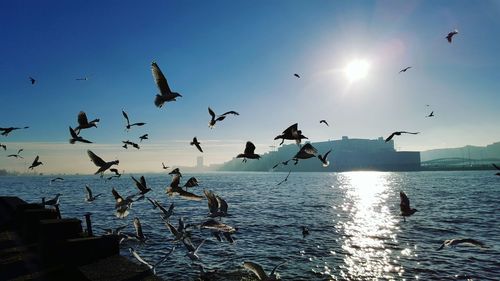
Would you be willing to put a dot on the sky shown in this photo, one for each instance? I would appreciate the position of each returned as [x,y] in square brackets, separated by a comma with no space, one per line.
[241,55]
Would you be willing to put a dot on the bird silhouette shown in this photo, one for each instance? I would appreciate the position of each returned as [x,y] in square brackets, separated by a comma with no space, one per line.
[404,205]
[215,119]
[259,271]
[141,185]
[405,69]
[217,206]
[89,197]
[307,151]
[324,158]
[455,242]
[286,178]
[18,155]
[127,142]
[35,163]
[128,126]
[7,131]
[122,204]
[496,167]
[196,143]
[296,75]
[144,137]
[83,122]
[249,152]
[291,133]
[163,166]
[324,121]
[398,133]
[32,80]
[450,35]
[74,137]
[166,95]
[103,165]
[431,114]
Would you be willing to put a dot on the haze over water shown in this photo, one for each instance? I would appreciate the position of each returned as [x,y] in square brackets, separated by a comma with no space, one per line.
[356,232]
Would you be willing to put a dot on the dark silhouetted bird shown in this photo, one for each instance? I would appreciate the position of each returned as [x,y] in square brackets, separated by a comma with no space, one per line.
[163,166]
[128,126]
[455,242]
[324,158]
[144,137]
[404,69]
[7,131]
[103,165]
[89,197]
[32,80]
[450,35]
[18,155]
[498,168]
[127,142]
[291,133]
[286,178]
[296,75]
[260,273]
[166,95]
[398,134]
[404,205]
[307,151]
[249,152]
[196,143]
[324,121]
[174,188]
[214,120]
[83,122]
[431,114]
[141,185]
[74,137]
[35,163]
[3,146]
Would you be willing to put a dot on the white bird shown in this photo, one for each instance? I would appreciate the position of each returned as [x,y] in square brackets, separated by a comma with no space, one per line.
[260,273]
[455,242]
[152,267]
[89,197]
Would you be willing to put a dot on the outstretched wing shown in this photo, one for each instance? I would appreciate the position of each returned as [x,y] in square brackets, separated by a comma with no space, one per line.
[126,116]
[405,202]
[72,133]
[256,269]
[117,196]
[96,159]
[291,129]
[276,267]
[390,137]
[136,255]
[309,149]
[89,191]
[231,112]
[211,112]
[160,80]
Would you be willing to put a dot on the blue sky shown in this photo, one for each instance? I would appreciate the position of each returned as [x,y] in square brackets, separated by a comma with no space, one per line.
[241,55]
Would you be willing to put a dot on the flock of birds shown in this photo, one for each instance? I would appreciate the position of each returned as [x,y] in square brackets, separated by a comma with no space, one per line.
[217,206]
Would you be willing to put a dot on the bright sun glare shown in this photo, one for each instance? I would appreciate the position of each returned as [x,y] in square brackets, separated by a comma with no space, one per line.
[356,70]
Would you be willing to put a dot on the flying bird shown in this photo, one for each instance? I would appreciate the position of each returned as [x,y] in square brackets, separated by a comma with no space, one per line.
[405,69]
[32,80]
[144,137]
[196,143]
[455,242]
[116,175]
[324,121]
[3,146]
[286,178]
[404,205]
[214,119]
[496,167]
[122,204]
[450,35]
[7,131]
[324,158]
[296,75]
[291,133]
[128,126]
[399,134]
[127,142]
[18,155]
[74,137]
[193,252]
[163,166]
[212,224]
[307,151]
[166,95]
[141,185]
[35,163]
[260,273]
[166,214]
[174,188]
[249,152]
[216,205]
[83,122]
[103,165]
[431,114]
[151,267]
[89,197]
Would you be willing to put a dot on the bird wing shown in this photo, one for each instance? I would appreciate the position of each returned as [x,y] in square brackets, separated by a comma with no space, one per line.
[494,165]
[471,241]
[72,133]
[405,202]
[249,148]
[199,246]
[138,228]
[188,244]
[231,112]
[164,257]
[172,229]
[138,184]
[143,182]
[291,129]
[175,181]
[198,146]
[390,137]
[211,112]
[276,267]
[117,196]
[256,269]
[189,195]
[96,159]
[161,81]
[36,160]
[82,119]
[89,191]
[326,154]
[309,149]
[222,204]
[136,255]
[113,170]
[405,132]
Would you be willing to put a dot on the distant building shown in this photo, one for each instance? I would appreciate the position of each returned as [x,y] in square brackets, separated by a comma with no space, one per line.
[199,162]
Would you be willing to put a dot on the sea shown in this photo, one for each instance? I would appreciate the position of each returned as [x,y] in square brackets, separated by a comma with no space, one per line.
[355,228]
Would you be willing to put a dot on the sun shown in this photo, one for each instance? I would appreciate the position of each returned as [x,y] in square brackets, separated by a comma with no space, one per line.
[357,70]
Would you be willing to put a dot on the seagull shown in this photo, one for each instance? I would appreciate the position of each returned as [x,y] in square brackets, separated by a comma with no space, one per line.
[213,120]
[35,163]
[177,233]
[122,205]
[16,155]
[3,146]
[83,122]
[103,165]
[6,131]
[193,252]
[212,224]
[74,137]
[128,126]
[141,185]
[175,188]
[196,143]
[32,80]
[89,197]
[498,168]
[450,35]
[139,235]
[307,151]
[286,178]
[127,142]
[406,211]
[455,242]
[305,231]
[166,95]
[324,121]
[431,114]
[152,267]
[143,137]
[216,205]
[296,75]
[260,273]
[291,133]
[249,152]
[399,134]
[56,179]
[163,166]
[324,158]
[52,202]
[405,69]
[166,214]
